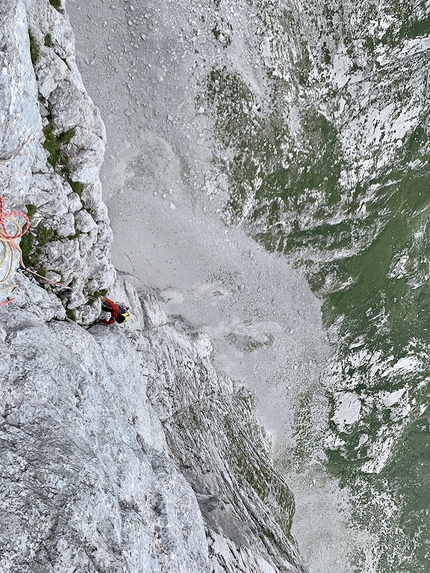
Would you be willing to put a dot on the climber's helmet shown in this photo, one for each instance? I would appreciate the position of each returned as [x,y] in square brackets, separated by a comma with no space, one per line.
[123,315]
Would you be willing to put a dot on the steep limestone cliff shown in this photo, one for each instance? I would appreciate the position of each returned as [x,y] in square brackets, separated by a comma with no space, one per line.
[52,147]
[87,482]
[121,449]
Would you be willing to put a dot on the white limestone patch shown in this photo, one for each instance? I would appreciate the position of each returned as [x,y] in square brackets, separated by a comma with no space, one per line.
[347,410]
[391,398]
[405,365]
[341,68]
[415,46]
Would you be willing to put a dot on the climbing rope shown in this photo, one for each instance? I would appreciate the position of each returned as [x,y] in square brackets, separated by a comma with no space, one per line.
[10,249]
[9,246]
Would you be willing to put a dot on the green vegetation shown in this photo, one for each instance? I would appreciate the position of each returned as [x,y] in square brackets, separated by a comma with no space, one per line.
[27,241]
[58,158]
[65,168]
[365,249]
[45,235]
[75,235]
[34,48]
[31,211]
[54,143]
[32,244]
[326,56]
[26,246]
[95,295]
[48,41]
[259,141]
[57,4]
[71,314]
[77,186]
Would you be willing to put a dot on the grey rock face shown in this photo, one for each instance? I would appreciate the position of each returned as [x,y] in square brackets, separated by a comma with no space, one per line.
[219,447]
[19,121]
[87,483]
[51,150]
[88,478]
[121,449]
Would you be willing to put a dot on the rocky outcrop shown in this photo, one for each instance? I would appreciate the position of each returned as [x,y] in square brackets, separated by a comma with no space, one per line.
[120,449]
[51,150]
[87,482]
[219,447]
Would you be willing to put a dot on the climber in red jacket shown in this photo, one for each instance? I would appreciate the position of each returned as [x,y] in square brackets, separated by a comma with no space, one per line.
[118,312]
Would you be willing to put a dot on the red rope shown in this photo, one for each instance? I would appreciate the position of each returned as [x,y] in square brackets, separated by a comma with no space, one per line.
[5,216]
[8,239]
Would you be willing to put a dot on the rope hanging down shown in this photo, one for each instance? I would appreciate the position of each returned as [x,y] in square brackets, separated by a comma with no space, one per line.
[10,248]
